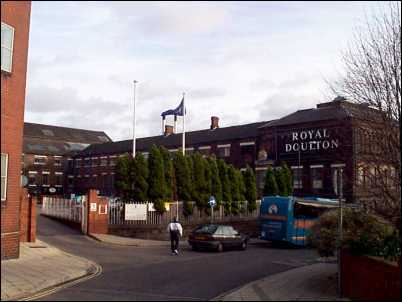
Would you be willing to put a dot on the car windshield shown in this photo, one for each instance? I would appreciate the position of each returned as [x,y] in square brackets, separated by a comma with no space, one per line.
[209,228]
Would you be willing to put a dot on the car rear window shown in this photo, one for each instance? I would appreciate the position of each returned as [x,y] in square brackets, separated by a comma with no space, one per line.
[209,229]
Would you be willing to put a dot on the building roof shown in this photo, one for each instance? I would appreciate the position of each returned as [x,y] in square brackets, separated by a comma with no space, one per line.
[193,138]
[338,109]
[55,140]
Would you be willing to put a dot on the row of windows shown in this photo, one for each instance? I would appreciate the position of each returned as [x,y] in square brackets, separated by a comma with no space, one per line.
[43,160]
[369,175]
[223,151]
[316,176]
[43,179]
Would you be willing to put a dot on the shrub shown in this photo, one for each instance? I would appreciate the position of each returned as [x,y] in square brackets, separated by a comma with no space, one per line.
[363,234]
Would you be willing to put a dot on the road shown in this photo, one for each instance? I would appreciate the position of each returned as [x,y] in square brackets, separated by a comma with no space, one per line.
[152,273]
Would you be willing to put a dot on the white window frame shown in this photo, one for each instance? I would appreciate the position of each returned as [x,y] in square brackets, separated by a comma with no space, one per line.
[204,147]
[9,48]
[5,176]
[247,144]
[297,183]
[40,156]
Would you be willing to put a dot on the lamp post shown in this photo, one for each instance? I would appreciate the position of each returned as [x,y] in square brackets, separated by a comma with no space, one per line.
[340,222]
[134,137]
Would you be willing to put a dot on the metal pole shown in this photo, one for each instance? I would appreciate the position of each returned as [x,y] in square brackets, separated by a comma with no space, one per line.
[340,231]
[134,137]
[184,127]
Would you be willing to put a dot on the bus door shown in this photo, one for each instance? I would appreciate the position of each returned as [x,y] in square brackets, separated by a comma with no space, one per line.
[274,218]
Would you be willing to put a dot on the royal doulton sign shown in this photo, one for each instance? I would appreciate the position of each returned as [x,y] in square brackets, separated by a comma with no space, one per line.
[311,140]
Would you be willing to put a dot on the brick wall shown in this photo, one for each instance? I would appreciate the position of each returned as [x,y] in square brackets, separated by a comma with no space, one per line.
[368,279]
[154,232]
[27,217]
[97,221]
[16,14]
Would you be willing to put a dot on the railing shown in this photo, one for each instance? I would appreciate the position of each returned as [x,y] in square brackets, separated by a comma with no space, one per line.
[117,214]
[62,208]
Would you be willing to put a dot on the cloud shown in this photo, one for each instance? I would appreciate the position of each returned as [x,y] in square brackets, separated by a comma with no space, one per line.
[243,62]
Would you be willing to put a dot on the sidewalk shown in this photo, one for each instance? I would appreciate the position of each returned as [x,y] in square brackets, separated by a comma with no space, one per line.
[42,268]
[316,282]
[128,241]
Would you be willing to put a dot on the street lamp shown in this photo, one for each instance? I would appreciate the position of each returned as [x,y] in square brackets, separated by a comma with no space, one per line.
[340,222]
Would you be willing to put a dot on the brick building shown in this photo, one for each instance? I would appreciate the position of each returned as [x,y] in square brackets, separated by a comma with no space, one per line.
[47,152]
[316,143]
[15,22]
[94,166]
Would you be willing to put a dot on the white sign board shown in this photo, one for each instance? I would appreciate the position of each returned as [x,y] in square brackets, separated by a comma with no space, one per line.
[93,206]
[135,212]
[151,207]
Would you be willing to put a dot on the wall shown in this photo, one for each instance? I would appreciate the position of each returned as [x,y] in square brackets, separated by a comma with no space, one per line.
[16,14]
[155,232]
[368,279]
[27,217]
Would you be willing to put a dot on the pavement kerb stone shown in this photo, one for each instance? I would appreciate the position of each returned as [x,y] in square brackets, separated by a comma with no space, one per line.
[92,271]
[115,243]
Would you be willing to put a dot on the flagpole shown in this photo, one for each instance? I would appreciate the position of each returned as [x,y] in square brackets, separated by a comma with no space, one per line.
[184,127]
[134,137]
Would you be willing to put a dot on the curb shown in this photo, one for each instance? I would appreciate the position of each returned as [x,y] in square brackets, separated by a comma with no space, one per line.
[112,243]
[94,271]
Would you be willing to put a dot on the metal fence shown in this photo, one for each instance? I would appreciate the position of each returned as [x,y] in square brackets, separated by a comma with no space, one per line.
[117,214]
[62,208]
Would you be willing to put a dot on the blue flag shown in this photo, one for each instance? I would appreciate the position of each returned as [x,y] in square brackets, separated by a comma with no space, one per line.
[178,111]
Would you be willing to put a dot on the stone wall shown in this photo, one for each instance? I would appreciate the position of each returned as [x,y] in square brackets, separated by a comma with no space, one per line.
[156,232]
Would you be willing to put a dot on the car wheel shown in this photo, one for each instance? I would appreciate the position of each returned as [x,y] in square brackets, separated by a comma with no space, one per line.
[220,248]
[243,245]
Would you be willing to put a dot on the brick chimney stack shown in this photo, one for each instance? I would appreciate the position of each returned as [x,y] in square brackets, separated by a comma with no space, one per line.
[168,130]
[214,122]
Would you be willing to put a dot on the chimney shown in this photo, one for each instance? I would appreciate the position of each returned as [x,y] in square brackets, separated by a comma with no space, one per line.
[168,130]
[214,122]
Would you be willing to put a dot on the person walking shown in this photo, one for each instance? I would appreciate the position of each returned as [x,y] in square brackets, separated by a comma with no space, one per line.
[176,231]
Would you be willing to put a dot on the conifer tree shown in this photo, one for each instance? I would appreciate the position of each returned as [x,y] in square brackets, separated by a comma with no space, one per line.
[226,190]
[251,189]
[281,181]
[183,182]
[200,183]
[168,172]
[140,177]
[289,179]
[124,177]
[270,187]
[234,189]
[156,179]
[216,185]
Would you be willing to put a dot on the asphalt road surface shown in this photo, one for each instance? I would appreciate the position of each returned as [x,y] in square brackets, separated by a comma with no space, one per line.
[152,273]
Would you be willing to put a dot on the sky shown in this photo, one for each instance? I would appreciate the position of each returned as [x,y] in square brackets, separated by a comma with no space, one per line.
[244,62]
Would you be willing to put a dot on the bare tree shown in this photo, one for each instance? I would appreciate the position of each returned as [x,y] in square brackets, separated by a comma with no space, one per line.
[372,78]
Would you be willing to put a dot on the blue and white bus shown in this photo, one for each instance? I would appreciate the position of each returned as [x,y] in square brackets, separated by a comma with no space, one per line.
[289,219]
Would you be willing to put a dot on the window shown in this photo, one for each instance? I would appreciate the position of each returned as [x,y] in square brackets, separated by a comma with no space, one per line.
[4,166]
[47,132]
[87,162]
[297,172]
[103,161]
[95,161]
[32,178]
[70,163]
[78,163]
[7,41]
[57,161]
[223,150]
[112,160]
[316,176]
[59,179]
[70,180]
[204,150]
[45,178]
[247,153]
[40,160]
